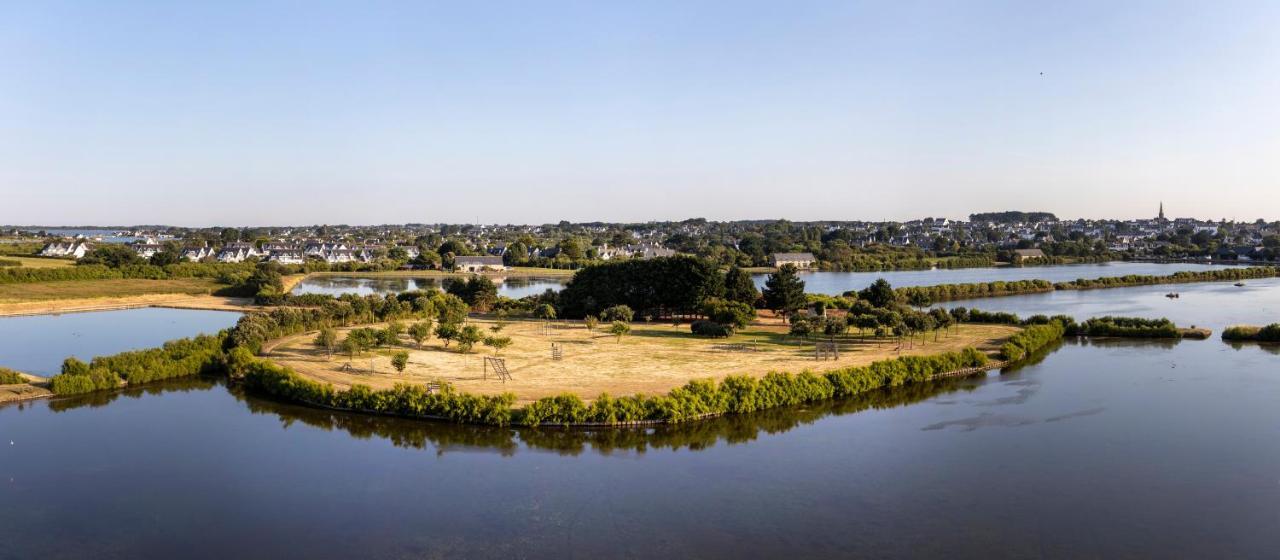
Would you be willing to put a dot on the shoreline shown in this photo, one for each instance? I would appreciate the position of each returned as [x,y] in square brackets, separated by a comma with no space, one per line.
[87,305]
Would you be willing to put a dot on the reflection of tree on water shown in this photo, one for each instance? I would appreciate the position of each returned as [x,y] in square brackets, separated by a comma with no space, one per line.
[732,429]
[1268,347]
[103,398]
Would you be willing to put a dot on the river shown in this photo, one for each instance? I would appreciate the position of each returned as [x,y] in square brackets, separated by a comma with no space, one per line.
[836,283]
[1098,449]
[38,343]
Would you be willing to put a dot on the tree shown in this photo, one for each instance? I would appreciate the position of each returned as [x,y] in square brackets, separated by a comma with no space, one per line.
[784,291]
[834,326]
[498,343]
[879,293]
[420,332]
[447,332]
[739,287]
[618,313]
[164,258]
[729,312]
[113,255]
[468,337]
[399,360]
[545,311]
[863,322]
[619,329]
[73,366]
[591,321]
[800,327]
[327,339]
[391,334]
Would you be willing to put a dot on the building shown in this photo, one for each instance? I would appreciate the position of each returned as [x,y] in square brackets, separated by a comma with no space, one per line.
[74,249]
[288,257]
[798,260]
[1023,255]
[147,250]
[197,254]
[478,264]
[237,252]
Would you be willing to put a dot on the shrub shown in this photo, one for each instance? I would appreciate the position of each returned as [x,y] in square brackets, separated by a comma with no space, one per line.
[711,329]
[1031,339]
[1269,333]
[10,377]
[618,313]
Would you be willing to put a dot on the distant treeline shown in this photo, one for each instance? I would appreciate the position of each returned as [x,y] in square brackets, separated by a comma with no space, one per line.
[926,295]
[1131,327]
[1247,333]
[1012,216]
[1223,274]
[9,262]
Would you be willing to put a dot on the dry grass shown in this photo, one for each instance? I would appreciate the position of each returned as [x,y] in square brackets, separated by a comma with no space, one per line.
[39,262]
[178,301]
[81,289]
[653,359]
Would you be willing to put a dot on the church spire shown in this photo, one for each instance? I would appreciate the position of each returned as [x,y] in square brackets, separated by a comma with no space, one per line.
[1161,216]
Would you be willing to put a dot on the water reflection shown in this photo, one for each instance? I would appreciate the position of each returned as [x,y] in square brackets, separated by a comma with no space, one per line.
[513,287]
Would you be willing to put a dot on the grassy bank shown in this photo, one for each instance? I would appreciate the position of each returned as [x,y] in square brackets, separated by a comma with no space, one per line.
[1248,333]
[106,288]
[516,272]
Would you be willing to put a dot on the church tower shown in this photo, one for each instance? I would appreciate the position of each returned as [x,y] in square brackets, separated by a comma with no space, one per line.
[1161,216]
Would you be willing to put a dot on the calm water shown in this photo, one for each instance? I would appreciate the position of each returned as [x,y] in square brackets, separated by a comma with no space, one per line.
[336,285]
[1105,450]
[836,283]
[38,344]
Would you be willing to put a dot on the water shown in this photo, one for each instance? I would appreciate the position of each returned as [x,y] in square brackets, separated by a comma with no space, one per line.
[836,283]
[1103,449]
[37,344]
[513,287]
[1210,304]
[106,235]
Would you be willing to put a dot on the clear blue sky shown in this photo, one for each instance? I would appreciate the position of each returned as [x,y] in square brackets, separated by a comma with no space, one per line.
[382,112]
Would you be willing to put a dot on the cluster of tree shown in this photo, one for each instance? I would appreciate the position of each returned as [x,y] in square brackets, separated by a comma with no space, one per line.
[478,291]
[922,296]
[10,377]
[254,329]
[176,358]
[1013,217]
[696,400]
[654,288]
[1242,333]
[1126,327]
[1218,275]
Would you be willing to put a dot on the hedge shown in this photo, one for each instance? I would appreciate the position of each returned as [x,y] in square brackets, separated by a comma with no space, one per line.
[1269,333]
[1031,339]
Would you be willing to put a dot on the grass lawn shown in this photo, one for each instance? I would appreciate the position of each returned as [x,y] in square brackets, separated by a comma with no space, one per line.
[38,262]
[113,288]
[654,358]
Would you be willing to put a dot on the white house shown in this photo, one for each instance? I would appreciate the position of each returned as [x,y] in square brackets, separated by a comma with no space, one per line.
[237,252]
[147,250]
[798,260]
[73,249]
[287,257]
[197,254]
[478,264]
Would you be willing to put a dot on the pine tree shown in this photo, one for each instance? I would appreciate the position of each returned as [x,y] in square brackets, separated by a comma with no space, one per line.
[784,291]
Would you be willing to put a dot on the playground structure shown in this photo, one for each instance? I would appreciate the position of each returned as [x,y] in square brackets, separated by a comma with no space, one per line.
[557,351]
[826,350]
[499,366]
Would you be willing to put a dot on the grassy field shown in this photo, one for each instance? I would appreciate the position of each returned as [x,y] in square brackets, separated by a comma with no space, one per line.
[653,359]
[38,262]
[114,288]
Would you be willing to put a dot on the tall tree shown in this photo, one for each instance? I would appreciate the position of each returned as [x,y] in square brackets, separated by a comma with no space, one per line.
[784,291]
[879,293]
[739,287]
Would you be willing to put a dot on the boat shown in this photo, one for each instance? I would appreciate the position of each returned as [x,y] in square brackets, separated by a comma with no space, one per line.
[1171,295]
[1239,284]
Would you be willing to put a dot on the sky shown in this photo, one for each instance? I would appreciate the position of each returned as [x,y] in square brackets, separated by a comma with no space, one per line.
[310,112]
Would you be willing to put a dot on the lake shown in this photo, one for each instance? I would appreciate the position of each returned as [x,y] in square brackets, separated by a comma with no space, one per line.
[37,344]
[1099,449]
[512,287]
[836,283]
